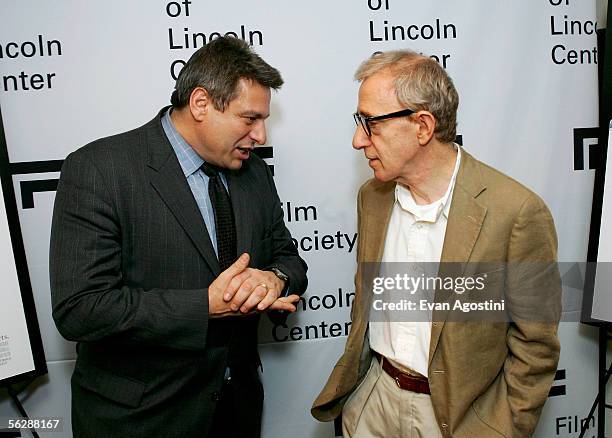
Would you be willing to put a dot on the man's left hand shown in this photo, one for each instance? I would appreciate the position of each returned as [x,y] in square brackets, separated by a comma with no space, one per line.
[253,289]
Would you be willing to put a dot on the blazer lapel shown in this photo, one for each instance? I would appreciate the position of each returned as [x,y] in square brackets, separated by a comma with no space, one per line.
[376,216]
[167,178]
[465,220]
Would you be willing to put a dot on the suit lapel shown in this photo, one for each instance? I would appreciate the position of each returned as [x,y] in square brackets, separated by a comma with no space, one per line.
[376,216]
[465,221]
[167,178]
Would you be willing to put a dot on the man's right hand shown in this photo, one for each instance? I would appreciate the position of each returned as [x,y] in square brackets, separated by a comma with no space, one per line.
[218,308]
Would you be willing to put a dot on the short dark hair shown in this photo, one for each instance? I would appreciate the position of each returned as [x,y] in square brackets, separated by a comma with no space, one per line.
[217,67]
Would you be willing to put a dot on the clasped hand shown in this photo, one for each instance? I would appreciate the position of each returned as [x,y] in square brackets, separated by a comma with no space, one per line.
[241,290]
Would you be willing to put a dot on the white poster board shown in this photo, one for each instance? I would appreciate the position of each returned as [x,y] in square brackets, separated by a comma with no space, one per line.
[21,353]
[601,308]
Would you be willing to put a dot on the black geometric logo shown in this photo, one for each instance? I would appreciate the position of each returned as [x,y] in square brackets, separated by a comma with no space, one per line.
[556,389]
[586,145]
[265,152]
[28,188]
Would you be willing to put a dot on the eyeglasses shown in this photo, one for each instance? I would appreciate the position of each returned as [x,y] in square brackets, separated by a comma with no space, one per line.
[365,121]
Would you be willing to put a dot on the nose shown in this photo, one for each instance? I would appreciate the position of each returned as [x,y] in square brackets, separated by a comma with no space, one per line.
[360,138]
[258,133]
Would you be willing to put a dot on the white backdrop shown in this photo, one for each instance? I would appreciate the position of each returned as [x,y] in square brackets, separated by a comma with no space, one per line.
[104,67]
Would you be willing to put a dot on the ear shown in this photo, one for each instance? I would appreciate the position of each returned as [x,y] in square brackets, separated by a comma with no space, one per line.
[427,126]
[199,103]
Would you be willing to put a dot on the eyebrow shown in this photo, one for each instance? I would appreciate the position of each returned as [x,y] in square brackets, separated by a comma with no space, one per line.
[254,114]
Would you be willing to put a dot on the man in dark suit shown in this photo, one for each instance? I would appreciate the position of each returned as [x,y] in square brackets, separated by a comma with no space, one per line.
[145,269]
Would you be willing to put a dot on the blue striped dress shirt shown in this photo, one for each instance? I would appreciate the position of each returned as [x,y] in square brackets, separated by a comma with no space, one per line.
[191,164]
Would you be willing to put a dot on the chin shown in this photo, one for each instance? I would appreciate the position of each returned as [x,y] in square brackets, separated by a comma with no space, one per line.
[381,176]
[235,165]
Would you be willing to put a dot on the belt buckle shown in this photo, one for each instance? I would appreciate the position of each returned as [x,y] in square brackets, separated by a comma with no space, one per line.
[397,382]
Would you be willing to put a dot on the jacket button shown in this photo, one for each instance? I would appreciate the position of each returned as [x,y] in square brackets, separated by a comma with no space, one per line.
[215,396]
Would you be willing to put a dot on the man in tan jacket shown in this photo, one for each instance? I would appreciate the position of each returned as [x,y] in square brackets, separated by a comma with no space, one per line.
[431,201]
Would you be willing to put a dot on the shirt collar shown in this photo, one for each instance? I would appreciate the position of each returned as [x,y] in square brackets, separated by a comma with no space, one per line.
[430,212]
[189,160]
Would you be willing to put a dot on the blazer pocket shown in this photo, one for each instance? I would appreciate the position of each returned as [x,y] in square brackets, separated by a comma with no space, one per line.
[120,389]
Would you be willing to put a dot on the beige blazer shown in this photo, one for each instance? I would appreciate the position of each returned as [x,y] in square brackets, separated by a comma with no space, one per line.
[487,379]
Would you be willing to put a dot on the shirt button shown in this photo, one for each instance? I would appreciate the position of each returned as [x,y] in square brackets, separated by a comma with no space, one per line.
[215,396]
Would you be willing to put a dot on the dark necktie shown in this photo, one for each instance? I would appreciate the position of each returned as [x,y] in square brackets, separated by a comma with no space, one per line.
[224,217]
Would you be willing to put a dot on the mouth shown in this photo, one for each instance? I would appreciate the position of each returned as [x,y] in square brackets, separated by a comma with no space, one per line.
[372,161]
[244,151]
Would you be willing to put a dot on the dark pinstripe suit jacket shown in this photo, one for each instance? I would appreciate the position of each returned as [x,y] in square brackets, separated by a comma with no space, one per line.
[130,264]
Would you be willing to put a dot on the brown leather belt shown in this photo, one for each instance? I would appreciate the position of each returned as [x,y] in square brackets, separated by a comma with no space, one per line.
[403,380]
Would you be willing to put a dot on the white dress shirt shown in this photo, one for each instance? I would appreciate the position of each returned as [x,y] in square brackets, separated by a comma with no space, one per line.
[415,234]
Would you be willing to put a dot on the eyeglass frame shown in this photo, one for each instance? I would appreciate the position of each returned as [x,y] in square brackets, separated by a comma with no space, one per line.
[365,121]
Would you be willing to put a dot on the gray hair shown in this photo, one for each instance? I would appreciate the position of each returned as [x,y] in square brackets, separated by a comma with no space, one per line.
[217,67]
[421,83]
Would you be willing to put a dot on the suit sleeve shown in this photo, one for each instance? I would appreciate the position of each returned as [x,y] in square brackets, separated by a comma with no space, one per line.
[90,300]
[533,295]
[285,255]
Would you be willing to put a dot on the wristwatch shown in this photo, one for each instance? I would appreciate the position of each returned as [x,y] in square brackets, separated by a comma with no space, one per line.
[280,274]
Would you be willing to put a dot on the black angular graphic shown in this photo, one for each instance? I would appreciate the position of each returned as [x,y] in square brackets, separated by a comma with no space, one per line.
[36,167]
[265,152]
[594,151]
[558,390]
[29,188]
